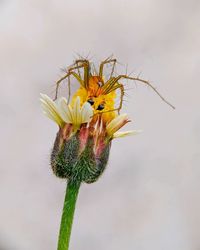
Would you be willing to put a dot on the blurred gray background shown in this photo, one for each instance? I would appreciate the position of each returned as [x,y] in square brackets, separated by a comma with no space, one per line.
[148,199]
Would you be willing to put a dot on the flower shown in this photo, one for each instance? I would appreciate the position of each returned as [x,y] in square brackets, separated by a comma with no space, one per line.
[82,145]
[87,126]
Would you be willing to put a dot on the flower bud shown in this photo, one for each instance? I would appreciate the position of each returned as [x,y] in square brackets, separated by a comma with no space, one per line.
[71,159]
[82,145]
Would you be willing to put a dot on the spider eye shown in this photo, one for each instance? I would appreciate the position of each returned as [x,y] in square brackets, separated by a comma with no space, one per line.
[100,84]
[100,107]
[91,102]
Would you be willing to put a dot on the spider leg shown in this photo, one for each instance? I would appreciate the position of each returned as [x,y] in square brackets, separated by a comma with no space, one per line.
[58,83]
[121,87]
[69,90]
[108,86]
[78,69]
[84,83]
[122,92]
[145,82]
[106,62]
[83,63]
[63,78]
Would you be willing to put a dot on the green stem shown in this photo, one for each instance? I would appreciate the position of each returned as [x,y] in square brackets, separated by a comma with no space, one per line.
[68,214]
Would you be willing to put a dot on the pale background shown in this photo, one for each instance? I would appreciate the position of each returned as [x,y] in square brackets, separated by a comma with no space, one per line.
[148,198]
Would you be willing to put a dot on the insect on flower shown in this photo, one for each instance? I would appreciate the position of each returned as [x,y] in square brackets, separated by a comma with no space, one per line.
[89,122]
[97,91]
[87,125]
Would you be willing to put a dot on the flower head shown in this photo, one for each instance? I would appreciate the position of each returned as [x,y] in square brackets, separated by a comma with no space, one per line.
[84,138]
[86,128]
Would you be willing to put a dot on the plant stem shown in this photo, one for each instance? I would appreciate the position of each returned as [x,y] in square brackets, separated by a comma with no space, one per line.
[68,214]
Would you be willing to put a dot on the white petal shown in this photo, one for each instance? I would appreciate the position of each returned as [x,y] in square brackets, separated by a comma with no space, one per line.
[50,109]
[86,112]
[62,113]
[65,110]
[113,126]
[126,133]
[117,120]
[76,111]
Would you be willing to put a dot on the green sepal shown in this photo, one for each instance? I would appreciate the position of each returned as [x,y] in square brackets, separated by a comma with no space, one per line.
[67,162]
[64,156]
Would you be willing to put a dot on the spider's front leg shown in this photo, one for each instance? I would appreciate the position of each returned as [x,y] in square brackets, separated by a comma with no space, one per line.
[145,82]
[83,63]
[70,72]
[106,62]
[121,88]
[83,82]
